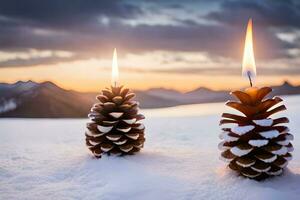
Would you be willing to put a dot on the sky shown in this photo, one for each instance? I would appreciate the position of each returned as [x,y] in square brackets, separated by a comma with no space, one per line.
[173,44]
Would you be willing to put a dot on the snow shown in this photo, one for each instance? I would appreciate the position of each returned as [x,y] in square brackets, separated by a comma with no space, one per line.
[289,137]
[240,152]
[93,143]
[115,138]
[258,143]
[130,121]
[290,149]
[245,165]
[269,134]
[140,127]
[276,173]
[284,142]
[47,159]
[285,131]
[7,105]
[116,114]
[261,170]
[104,129]
[282,151]
[269,160]
[125,130]
[241,130]
[263,122]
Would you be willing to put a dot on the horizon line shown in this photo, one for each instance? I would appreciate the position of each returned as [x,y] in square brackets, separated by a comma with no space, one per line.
[285,81]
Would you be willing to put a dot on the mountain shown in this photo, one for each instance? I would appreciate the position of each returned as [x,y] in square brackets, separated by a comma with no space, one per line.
[148,100]
[47,100]
[286,89]
[165,93]
[30,99]
[199,95]
[202,94]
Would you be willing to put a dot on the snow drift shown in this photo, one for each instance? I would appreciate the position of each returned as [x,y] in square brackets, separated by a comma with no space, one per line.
[47,159]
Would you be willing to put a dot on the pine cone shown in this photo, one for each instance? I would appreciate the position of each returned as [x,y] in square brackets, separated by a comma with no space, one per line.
[258,146]
[115,126]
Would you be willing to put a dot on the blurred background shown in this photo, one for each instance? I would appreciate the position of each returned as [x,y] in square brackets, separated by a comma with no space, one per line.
[56,54]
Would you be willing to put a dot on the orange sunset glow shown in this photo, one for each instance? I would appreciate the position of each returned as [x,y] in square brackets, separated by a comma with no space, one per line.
[93,74]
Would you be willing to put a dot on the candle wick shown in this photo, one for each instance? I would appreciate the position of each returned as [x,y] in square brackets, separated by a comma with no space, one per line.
[248,73]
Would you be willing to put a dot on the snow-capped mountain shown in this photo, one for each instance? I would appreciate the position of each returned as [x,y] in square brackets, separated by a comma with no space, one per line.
[31,99]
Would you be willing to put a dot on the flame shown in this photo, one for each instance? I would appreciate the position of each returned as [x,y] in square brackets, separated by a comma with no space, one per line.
[115,70]
[249,68]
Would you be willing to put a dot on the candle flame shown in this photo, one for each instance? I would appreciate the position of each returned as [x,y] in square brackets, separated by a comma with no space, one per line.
[115,70]
[249,68]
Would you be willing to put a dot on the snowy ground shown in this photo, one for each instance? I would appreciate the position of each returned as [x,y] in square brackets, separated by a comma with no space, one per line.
[47,159]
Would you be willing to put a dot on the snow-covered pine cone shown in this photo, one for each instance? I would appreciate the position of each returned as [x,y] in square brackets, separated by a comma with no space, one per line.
[257,146]
[115,126]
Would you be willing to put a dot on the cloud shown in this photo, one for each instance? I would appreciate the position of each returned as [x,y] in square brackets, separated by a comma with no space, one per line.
[290,71]
[19,62]
[267,13]
[195,63]
[64,13]
[33,57]
[92,28]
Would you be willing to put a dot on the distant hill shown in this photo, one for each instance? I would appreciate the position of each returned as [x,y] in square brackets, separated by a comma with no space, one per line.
[47,100]
[30,99]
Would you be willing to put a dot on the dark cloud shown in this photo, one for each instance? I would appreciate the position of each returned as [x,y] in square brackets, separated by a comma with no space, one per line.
[281,13]
[65,12]
[92,28]
[65,23]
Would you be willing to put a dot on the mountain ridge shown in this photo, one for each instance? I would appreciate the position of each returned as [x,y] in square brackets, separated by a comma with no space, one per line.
[48,100]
